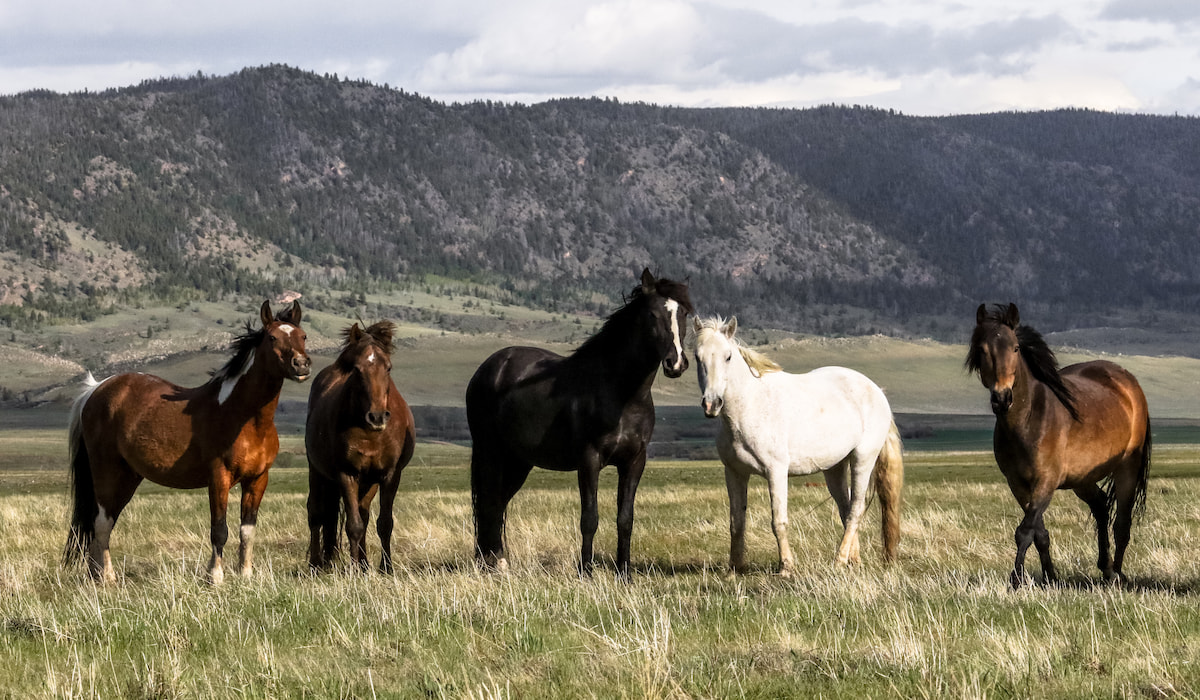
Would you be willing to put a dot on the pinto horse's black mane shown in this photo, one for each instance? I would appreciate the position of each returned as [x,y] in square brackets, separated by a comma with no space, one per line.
[614,334]
[243,347]
[1038,356]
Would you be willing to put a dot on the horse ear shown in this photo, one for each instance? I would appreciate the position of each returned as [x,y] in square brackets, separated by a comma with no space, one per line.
[731,327]
[264,314]
[292,315]
[354,333]
[648,281]
[696,325]
[981,314]
[1011,317]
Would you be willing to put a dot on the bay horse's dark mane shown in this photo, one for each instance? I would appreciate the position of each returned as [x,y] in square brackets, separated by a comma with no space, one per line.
[1038,356]
[613,334]
[243,347]
[380,334]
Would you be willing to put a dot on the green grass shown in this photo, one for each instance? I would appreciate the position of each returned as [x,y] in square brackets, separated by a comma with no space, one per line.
[940,623]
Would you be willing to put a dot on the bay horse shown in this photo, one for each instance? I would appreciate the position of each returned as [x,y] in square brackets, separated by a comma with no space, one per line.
[530,407]
[776,424]
[137,426]
[1069,428]
[359,436]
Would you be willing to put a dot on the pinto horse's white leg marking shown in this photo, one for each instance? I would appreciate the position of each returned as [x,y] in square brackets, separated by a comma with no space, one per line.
[673,309]
[246,553]
[228,385]
[100,561]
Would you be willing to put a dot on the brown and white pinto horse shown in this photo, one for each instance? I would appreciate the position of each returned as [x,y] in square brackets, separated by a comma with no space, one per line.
[137,426]
[359,437]
[1062,429]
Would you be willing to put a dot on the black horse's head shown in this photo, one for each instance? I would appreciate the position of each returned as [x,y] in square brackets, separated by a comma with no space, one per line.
[667,307]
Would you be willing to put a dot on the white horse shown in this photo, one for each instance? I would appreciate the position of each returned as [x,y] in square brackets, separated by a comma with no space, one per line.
[777,425]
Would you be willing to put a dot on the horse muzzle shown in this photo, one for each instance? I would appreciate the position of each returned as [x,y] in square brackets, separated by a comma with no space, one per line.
[675,369]
[378,420]
[301,367]
[712,408]
[1002,400]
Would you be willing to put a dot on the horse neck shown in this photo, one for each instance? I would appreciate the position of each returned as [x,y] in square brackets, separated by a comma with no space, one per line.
[626,366]
[255,395]
[742,388]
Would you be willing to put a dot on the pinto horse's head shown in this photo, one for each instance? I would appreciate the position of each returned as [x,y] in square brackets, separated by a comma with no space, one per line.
[283,344]
[366,360]
[669,305]
[995,353]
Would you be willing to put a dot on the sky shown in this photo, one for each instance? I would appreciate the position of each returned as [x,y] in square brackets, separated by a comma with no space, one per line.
[919,57]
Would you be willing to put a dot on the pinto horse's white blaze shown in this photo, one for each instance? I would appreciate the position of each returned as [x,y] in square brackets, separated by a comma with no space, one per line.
[371,358]
[228,385]
[672,307]
[287,328]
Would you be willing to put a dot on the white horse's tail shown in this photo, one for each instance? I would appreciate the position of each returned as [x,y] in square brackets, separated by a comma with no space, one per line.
[889,482]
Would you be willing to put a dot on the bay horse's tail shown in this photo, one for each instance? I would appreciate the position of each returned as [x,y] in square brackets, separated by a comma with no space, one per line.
[1143,475]
[83,490]
[888,479]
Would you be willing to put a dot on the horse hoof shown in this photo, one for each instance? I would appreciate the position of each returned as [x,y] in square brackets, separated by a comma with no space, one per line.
[787,572]
[1016,580]
[216,576]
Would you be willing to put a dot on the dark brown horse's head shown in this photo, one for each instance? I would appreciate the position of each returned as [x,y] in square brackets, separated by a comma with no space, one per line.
[669,306]
[282,348]
[995,353]
[366,360]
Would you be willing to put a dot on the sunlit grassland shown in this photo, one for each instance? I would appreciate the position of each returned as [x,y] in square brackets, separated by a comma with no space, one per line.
[942,622]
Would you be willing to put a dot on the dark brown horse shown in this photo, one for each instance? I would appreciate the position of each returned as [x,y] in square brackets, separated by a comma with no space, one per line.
[1062,429]
[359,437]
[528,406]
[137,426]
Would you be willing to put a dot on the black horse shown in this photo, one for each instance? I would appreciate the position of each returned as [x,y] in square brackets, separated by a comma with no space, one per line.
[527,406]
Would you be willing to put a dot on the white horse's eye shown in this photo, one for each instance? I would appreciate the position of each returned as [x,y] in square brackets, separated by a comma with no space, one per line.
[729,357]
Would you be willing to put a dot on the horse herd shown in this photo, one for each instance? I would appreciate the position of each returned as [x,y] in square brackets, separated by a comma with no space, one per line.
[1083,427]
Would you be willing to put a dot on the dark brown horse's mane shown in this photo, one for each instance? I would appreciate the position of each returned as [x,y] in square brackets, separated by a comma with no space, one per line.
[1038,356]
[605,338]
[243,347]
[379,334]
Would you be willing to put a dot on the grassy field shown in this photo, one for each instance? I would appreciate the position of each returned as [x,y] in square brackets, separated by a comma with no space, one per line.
[942,622]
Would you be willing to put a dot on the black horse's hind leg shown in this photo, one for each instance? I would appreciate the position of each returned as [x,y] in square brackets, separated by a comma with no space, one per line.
[627,483]
[1097,501]
[589,514]
[494,482]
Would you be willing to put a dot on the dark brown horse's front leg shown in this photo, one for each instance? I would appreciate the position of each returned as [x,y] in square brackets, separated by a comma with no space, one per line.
[1032,530]
[356,525]
[218,504]
[252,495]
[386,522]
[589,515]
[627,484]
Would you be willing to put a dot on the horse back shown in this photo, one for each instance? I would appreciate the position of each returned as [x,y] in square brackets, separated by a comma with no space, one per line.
[1108,397]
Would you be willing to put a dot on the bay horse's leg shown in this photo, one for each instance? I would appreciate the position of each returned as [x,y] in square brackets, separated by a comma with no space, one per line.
[356,527]
[1032,531]
[387,501]
[252,495]
[777,483]
[218,506]
[589,516]
[322,503]
[1125,491]
[736,484]
[1097,501]
[628,478]
[113,492]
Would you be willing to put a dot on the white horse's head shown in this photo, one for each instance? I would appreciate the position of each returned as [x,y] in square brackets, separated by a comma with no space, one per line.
[721,360]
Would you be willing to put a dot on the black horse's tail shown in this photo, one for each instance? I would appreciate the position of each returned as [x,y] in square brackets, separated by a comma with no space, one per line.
[82,489]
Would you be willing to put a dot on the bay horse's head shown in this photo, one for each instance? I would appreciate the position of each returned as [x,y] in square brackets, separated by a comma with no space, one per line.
[995,353]
[366,361]
[668,305]
[282,346]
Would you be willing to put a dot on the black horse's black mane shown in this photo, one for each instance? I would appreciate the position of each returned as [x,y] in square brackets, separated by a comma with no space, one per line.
[614,334]
[1038,356]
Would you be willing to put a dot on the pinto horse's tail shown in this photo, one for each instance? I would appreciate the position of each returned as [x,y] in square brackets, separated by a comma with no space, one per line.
[83,490]
[888,482]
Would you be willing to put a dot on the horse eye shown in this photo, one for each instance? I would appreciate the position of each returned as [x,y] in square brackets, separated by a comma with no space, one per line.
[729,357]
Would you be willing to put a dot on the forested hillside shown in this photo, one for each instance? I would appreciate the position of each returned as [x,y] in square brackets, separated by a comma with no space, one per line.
[275,178]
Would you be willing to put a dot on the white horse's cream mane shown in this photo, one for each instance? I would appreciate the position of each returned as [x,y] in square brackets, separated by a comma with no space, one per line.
[759,363]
